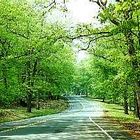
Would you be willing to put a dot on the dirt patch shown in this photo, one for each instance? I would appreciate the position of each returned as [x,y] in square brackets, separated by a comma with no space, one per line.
[6,113]
[133,127]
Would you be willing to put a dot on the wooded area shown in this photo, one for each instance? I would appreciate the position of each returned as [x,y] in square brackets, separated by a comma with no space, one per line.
[113,70]
[37,59]
[34,61]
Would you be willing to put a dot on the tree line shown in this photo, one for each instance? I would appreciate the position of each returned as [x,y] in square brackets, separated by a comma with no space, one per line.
[36,57]
[114,72]
[35,62]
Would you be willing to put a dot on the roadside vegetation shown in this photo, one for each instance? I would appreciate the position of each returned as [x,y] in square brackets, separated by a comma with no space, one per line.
[35,62]
[115,113]
[112,70]
[38,61]
[46,108]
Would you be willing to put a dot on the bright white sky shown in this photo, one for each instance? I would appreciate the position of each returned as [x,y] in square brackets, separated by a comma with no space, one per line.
[79,11]
[81,55]
[82,11]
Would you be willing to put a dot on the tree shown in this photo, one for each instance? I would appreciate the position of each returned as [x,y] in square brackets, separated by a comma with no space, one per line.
[34,51]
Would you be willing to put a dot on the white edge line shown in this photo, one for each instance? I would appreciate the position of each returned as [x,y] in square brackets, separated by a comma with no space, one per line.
[55,118]
[101,129]
[98,125]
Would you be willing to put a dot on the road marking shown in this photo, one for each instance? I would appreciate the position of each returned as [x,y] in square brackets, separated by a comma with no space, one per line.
[43,121]
[101,129]
[97,124]
[38,122]
[27,125]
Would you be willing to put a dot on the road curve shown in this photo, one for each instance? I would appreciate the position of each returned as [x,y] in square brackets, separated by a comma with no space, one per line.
[83,120]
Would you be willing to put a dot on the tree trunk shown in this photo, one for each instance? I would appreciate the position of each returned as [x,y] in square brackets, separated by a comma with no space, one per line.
[134,62]
[38,104]
[29,102]
[103,99]
[114,100]
[4,73]
[30,81]
[130,105]
[86,93]
[138,99]
[135,67]
[136,110]
[125,103]
[29,90]
[50,96]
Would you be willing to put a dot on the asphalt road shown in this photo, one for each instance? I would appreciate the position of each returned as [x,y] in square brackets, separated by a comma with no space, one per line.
[82,121]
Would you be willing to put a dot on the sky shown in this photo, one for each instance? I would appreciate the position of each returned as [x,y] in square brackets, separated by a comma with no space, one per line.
[81,55]
[79,11]
[82,11]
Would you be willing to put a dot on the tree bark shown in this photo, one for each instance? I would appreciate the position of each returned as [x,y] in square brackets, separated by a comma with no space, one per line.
[136,110]
[29,102]
[130,105]
[126,103]
[29,90]
[134,62]
[103,98]
[135,67]
[138,99]
[38,103]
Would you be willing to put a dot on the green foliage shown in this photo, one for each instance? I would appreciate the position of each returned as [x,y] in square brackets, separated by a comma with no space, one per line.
[37,62]
[33,57]
[114,55]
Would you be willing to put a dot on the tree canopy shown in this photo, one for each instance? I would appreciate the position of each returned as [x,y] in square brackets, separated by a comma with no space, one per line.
[37,57]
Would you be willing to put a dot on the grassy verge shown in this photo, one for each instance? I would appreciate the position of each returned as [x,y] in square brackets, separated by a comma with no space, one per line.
[47,108]
[116,113]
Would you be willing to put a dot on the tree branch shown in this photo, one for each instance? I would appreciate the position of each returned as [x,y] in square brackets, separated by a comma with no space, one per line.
[103,57]
[86,35]
[19,34]
[95,40]
[103,7]
[49,7]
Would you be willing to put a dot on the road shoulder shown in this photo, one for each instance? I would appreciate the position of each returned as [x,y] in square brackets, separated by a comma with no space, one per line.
[115,114]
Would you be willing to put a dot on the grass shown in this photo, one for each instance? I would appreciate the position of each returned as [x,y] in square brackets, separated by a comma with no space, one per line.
[18,113]
[115,112]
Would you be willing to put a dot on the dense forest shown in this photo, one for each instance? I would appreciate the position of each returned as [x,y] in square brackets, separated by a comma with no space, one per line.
[34,61]
[113,70]
[37,59]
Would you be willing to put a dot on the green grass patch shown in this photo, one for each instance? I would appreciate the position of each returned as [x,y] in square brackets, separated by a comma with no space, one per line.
[47,108]
[115,112]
